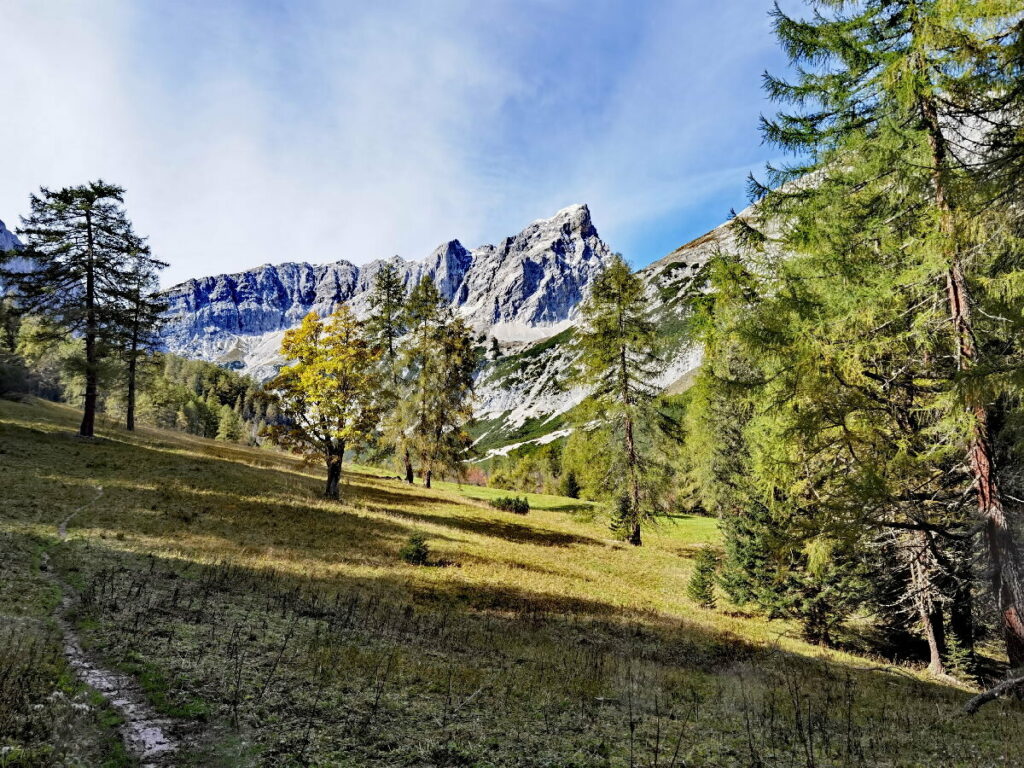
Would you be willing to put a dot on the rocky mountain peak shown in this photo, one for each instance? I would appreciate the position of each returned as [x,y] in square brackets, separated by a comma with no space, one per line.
[8,240]
[527,287]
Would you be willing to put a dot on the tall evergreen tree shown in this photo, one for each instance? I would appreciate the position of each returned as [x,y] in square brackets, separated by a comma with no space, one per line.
[385,327]
[440,359]
[386,322]
[327,396]
[447,444]
[80,244]
[230,427]
[618,362]
[138,321]
[886,337]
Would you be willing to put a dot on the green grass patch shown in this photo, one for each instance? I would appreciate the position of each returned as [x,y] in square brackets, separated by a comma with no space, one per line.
[286,630]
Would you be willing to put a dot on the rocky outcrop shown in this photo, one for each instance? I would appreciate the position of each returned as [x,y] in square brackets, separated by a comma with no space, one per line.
[527,287]
[10,242]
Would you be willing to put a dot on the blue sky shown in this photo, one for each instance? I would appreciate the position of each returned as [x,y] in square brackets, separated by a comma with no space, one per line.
[268,131]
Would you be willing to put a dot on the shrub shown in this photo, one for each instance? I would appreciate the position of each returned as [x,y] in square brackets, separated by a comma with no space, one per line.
[415,551]
[701,588]
[514,504]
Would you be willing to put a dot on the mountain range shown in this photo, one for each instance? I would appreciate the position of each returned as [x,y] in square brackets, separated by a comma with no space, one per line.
[527,287]
[525,291]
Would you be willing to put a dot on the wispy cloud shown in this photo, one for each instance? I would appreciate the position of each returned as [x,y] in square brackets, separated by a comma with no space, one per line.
[251,132]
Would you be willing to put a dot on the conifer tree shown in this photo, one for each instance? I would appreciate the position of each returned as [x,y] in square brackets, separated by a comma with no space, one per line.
[884,339]
[139,319]
[701,586]
[385,326]
[80,244]
[449,442]
[618,362]
[327,396]
[230,427]
[570,485]
[440,359]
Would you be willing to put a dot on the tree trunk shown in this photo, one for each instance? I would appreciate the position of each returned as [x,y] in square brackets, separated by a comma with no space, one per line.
[1004,556]
[409,477]
[88,427]
[923,570]
[634,535]
[130,409]
[961,611]
[631,457]
[935,634]
[334,461]
[133,361]
[426,478]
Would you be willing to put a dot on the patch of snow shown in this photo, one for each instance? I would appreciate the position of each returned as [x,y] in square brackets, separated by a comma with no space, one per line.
[550,437]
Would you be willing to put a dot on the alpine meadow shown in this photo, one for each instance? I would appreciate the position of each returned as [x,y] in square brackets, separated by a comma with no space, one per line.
[756,500]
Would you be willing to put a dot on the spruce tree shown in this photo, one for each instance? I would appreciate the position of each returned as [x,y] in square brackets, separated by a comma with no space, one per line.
[230,427]
[385,324]
[701,586]
[81,246]
[619,360]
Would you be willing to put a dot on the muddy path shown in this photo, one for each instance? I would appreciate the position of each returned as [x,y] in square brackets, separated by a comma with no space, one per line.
[146,734]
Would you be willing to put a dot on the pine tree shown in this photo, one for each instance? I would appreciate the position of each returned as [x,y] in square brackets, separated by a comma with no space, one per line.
[81,245]
[570,485]
[618,363]
[327,397]
[386,322]
[455,372]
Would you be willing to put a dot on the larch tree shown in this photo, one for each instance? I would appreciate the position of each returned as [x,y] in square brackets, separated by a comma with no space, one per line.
[328,395]
[440,360]
[619,361]
[778,553]
[80,245]
[445,444]
[881,311]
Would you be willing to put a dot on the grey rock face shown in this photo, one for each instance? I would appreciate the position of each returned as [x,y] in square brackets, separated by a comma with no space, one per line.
[527,287]
[10,242]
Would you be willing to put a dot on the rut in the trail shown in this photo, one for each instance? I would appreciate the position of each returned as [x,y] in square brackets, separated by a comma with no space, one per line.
[146,734]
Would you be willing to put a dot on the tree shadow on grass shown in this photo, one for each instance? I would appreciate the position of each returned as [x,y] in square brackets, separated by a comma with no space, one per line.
[499,529]
[195,481]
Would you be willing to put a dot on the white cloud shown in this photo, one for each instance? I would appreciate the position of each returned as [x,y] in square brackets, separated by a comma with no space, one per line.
[247,134]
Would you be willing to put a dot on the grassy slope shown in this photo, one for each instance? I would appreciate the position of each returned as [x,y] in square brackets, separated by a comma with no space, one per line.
[286,631]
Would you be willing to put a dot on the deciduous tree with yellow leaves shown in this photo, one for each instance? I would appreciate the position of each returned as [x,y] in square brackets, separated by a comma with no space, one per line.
[328,395]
